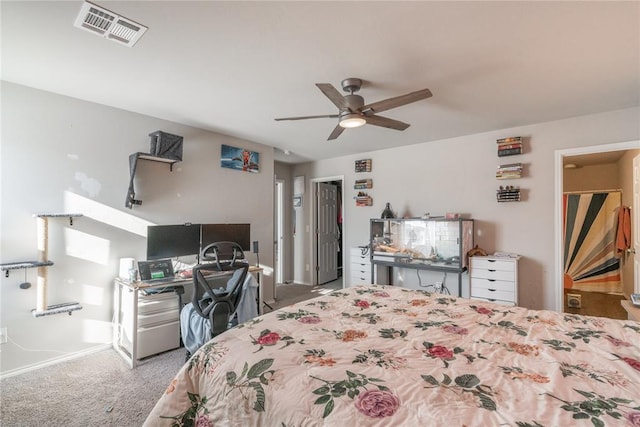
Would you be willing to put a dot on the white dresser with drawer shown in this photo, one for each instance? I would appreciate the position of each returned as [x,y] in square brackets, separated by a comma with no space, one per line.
[494,279]
[145,324]
[360,264]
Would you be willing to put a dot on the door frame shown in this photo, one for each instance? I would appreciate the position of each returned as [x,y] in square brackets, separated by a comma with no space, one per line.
[278,229]
[313,212]
[558,185]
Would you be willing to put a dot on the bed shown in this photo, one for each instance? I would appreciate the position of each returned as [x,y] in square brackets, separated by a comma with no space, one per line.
[389,356]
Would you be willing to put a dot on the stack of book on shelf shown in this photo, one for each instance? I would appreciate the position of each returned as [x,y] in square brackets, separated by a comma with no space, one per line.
[508,194]
[363,183]
[363,199]
[363,165]
[509,146]
[513,170]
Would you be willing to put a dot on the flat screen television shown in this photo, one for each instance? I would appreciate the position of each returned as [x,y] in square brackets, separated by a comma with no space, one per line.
[172,241]
[239,233]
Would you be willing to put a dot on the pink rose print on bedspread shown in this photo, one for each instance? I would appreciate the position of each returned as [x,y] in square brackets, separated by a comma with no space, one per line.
[440,352]
[483,310]
[266,338]
[635,364]
[377,403]
[310,319]
[362,303]
[381,294]
[617,342]
[452,329]
[203,421]
[634,419]
[270,338]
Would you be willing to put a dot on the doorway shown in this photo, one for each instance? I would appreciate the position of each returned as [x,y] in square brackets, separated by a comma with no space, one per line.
[327,240]
[560,157]
[278,228]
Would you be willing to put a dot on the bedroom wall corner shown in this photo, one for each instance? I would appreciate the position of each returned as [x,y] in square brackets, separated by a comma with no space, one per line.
[61,154]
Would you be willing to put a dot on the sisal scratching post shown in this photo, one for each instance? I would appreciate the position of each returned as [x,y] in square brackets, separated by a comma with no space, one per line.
[43,255]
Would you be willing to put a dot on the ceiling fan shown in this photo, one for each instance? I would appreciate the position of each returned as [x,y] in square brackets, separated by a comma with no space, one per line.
[354,113]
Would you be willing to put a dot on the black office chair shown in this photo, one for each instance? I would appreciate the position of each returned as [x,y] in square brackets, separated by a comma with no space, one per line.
[225,255]
[215,298]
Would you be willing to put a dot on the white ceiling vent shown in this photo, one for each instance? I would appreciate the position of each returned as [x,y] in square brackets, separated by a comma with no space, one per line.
[105,23]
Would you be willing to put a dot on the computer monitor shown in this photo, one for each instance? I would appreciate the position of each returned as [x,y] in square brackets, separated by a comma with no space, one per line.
[172,241]
[239,233]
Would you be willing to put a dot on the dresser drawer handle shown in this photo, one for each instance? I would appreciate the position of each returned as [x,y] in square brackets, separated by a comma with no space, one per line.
[493,271]
[491,290]
[491,299]
[491,280]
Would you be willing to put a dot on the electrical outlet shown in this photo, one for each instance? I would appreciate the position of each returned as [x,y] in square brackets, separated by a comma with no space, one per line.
[574,300]
[3,335]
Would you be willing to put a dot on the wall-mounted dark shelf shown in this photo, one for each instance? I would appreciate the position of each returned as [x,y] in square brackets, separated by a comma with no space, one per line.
[145,156]
[133,163]
[509,146]
[509,194]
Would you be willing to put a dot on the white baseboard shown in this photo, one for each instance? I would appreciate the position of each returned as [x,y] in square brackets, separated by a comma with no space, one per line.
[54,361]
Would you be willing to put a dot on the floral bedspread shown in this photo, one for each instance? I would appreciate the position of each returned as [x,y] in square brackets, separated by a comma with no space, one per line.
[389,356]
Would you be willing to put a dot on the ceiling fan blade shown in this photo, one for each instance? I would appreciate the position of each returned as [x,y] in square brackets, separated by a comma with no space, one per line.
[386,122]
[387,104]
[333,94]
[336,132]
[329,116]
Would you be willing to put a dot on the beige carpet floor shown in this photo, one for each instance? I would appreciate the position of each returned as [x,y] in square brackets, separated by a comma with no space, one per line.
[97,389]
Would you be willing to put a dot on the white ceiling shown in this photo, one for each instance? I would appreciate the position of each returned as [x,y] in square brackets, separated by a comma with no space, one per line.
[232,67]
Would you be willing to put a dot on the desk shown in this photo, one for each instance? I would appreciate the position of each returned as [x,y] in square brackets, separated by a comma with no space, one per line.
[153,320]
[633,312]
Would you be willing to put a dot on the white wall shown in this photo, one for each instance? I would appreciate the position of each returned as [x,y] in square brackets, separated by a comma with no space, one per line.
[591,178]
[458,175]
[60,154]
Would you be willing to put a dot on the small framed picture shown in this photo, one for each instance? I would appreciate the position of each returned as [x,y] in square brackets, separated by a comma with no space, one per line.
[297,202]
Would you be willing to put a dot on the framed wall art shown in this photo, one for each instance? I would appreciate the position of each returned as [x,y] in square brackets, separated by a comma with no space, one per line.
[239,159]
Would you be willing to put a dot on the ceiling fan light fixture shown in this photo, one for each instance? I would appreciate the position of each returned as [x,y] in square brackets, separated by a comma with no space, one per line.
[352,121]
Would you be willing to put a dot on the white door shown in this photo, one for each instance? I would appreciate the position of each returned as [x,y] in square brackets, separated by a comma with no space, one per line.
[327,233]
[635,223]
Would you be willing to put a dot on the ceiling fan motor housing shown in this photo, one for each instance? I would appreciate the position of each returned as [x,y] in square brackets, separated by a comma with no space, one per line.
[355,102]
[351,85]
